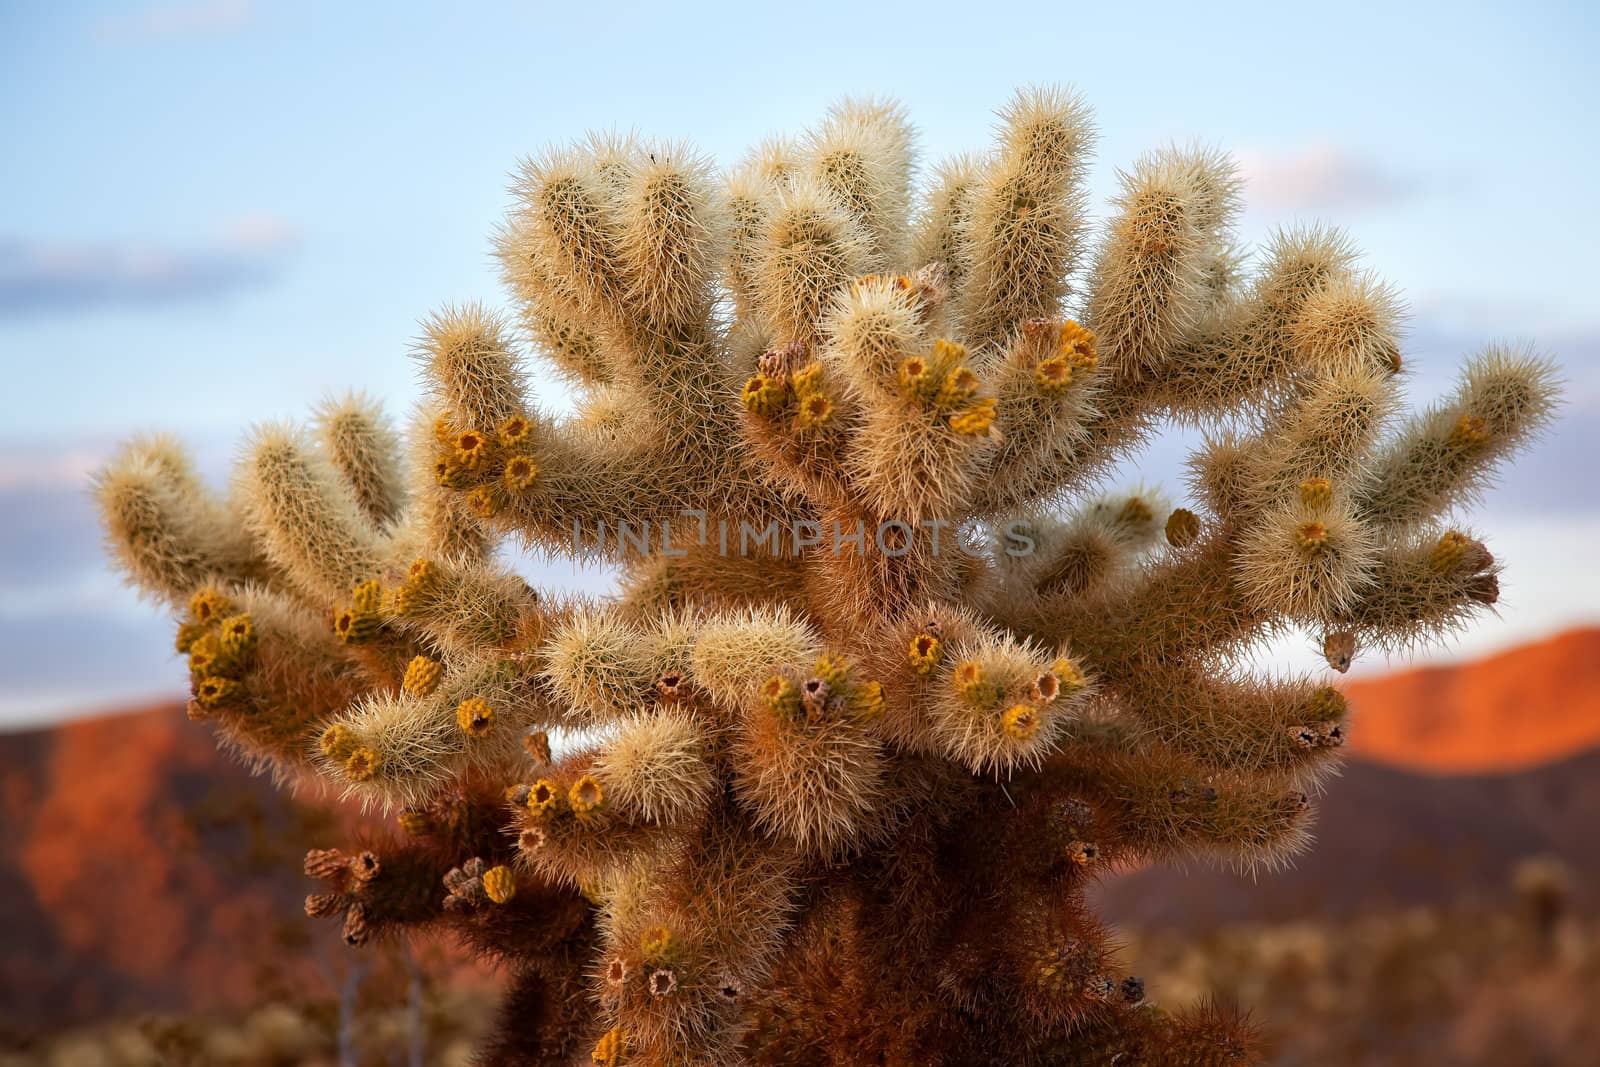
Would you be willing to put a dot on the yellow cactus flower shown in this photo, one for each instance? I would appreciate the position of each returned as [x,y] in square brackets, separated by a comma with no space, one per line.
[1077,344]
[867,702]
[1316,492]
[763,395]
[1053,376]
[1069,674]
[237,636]
[472,449]
[1311,538]
[1020,722]
[586,795]
[807,380]
[484,502]
[208,605]
[657,943]
[925,653]
[188,634]
[1449,551]
[415,823]
[513,431]
[337,742]
[362,765]
[214,692]
[521,473]
[816,410]
[544,797]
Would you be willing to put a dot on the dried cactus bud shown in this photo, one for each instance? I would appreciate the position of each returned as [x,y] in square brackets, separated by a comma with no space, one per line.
[537,745]
[324,905]
[1183,528]
[1339,649]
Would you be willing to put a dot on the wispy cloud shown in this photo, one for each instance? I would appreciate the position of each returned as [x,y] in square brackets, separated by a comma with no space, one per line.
[45,276]
[1323,177]
[160,21]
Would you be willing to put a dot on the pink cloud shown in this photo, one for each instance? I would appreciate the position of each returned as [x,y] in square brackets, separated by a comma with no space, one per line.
[1320,177]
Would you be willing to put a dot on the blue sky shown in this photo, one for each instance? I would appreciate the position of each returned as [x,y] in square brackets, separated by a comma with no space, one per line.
[215,211]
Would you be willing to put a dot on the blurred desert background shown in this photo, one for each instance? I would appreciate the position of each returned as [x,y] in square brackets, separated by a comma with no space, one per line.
[218,211]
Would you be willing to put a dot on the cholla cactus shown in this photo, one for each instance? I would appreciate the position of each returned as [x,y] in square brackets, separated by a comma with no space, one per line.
[890,681]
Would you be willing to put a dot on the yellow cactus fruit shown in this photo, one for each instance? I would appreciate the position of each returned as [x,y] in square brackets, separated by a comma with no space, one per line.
[610,1049]
[976,419]
[422,676]
[1469,432]
[499,884]
[1316,492]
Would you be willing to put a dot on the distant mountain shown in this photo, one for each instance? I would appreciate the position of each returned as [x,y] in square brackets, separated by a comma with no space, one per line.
[1532,704]
[1389,838]
[141,869]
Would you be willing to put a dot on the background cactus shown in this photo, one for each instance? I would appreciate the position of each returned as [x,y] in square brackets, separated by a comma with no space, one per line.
[891,678]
